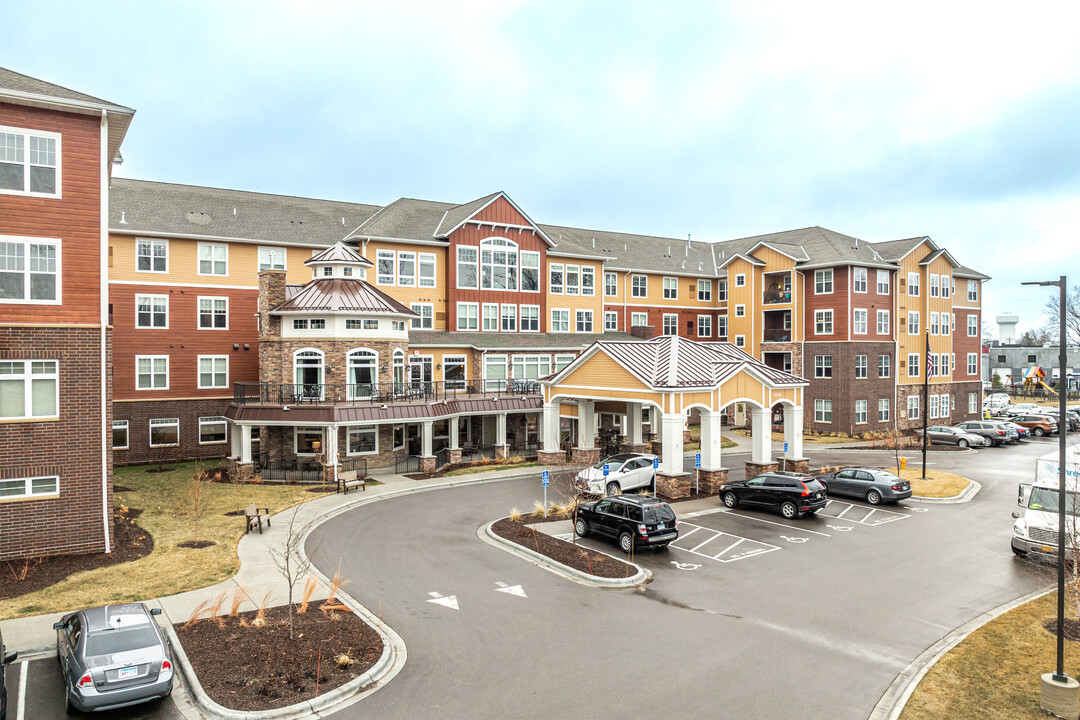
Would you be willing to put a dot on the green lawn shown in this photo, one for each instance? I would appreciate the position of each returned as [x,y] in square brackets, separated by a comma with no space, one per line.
[695,440]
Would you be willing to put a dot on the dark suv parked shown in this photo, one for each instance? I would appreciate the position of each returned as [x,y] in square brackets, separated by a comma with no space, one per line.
[6,658]
[633,519]
[792,494]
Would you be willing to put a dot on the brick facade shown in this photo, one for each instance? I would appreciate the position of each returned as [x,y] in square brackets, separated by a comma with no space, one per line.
[843,389]
[188,412]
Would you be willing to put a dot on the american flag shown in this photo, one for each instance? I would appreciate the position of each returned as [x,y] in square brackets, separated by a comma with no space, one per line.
[929,365]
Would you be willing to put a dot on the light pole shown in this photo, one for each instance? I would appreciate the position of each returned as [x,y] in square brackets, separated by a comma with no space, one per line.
[1059,674]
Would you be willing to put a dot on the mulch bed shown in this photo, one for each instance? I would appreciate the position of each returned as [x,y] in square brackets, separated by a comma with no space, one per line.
[260,668]
[129,542]
[577,557]
[1071,628]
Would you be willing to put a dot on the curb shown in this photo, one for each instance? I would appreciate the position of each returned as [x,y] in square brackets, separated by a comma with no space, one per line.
[894,699]
[967,495]
[642,577]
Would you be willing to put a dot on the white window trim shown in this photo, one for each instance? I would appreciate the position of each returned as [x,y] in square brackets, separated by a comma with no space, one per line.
[420,318]
[198,260]
[645,287]
[973,326]
[664,323]
[484,307]
[561,269]
[476,264]
[127,434]
[643,315]
[151,358]
[198,372]
[591,318]
[569,327]
[707,285]
[539,268]
[674,289]
[883,315]
[504,316]
[883,417]
[887,366]
[392,256]
[587,270]
[740,310]
[152,299]
[888,282]
[698,328]
[822,405]
[415,260]
[865,367]
[608,314]
[58,138]
[28,485]
[152,242]
[913,406]
[832,281]
[615,276]
[829,322]
[26,242]
[465,316]
[274,249]
[28,377]
[429,258]
[740,341]
[917,371]
[213,420]
[865,322]
[307,430]
[865,282]
[164,422]
[865,412]
[198,311]
[918,290]
[348,444]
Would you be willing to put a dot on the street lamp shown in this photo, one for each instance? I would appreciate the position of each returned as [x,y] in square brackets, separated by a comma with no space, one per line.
[1059,675]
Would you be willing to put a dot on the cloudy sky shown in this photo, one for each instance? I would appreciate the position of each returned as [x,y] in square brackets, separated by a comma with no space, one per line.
[960,121]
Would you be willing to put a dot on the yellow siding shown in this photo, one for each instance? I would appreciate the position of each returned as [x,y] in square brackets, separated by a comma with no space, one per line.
[406,295]
[568,410]
[572,303]
[243,267]
[601,371]
[740,386]
[905,304]
[748,325]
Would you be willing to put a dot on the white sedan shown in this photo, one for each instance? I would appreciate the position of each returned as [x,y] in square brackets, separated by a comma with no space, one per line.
[627,471]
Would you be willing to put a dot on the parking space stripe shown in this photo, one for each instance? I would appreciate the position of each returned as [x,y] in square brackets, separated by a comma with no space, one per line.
[789,527]
[717,555]
[844,511]
[20,703]
[715,535]
[682,534]
[874,510]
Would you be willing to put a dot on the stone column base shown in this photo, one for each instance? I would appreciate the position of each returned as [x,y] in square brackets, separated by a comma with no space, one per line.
[709,481]
[754,469]
[676,486]
[502,452]
[656,447]
[453,456]
[550,458]
[638,448]
[685,437]
[584,456]
[241,472]
[799,465]
[427,464]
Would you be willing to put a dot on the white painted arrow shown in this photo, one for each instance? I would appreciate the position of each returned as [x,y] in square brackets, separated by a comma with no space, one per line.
[449,601]
[511,589]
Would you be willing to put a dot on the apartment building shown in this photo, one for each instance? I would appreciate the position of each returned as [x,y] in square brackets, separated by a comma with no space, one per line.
[57,148]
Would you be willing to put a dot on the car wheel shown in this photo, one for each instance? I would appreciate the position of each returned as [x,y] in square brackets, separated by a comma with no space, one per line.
[730,500]
[626,542]
[788,510]
[873,497]
[69,708]
[1039,432]
[613,488]
[962,442]
[581,528]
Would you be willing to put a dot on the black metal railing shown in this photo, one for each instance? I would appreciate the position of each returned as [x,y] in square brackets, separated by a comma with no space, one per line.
[772,297]
[376,393]
[357,465]
[440,458]
[775,335]
[287,471]
[407,464]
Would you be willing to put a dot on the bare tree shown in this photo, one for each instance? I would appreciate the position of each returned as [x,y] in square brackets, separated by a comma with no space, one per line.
[288,556]
[197,500]
[1072,315]
[1037,337]
[565,483]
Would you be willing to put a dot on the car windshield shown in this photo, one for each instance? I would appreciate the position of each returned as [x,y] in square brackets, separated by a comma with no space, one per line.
[612,464]
[659,514]
[108,642]
[1046,499]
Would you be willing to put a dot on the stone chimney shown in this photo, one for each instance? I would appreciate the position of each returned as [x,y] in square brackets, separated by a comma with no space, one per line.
[271,294]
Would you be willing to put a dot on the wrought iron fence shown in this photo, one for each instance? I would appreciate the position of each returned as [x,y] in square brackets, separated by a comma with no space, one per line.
[407,464]
[372,393]
[289,471]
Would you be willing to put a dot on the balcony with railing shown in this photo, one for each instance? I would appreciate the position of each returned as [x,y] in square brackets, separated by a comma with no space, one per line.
[777,326]
[777,288]
[379,393]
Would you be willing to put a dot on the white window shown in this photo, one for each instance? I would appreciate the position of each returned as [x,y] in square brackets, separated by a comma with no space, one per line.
[213,259]
[530,271]
[859,321]
[398,325]
[934,323]
[427,270]
[584,321]
[639,286]
[823,411]
[152,311]
[560,321]
[611,284]
[671,324]
[498,264]
[913,322]
[954,323]
[913,284]
[299,324]
[385,268]
[973,325]
[740,341]
[491,317]
[740,311]
[704,290]
[363,440]
[29,270]
[213,371]
[946,287]
[271,258]
[945,406]
[861,366]
[823,366]
[468,316]
[740,280]
[913,364]
[29,389]
[454,371]
[884,366]
[327,271]
[823,322]
[362,374]
[934,366]
[555,279]
[588,280]
[29,162]
[164,432]
[671,288]
[369,324]
[934,293]
[426,313]
[406,268]
[945,323]
[973,290]
[562,361]
[573,279]
[509,318]
[611,320]
[212,430]
[883,282]
[932,407]
[704,326]
[468,267]
[721,326]
[213,313]
[721,289]
[973,404]
[860,412]
[530,367]
[530,318]
[883,410]
[883,322]
[152,256]
[495,372]
[308,440]
[953,363]
[639,319]
[41,486]
[823,282]
[859,279]
[151,372]
[913,407]
[120,435]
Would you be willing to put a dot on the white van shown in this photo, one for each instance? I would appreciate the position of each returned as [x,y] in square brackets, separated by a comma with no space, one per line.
[1035,531]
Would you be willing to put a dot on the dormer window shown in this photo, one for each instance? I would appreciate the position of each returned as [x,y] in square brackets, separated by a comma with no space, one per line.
[328,271]
[346,271]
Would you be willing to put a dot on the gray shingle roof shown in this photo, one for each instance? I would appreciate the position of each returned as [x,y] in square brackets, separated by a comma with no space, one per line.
[341,295]
[459,214]
[634,252]
[961,271]
[512,341]
[187,210]
[895,250]
[11,80]
[405,219]
[813,245]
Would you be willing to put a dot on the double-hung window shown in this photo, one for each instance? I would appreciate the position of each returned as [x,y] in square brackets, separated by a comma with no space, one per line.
[213,259]
[555,279]
[573,279]
[913,364]
[213,371]
[468,267]
[611,321]
[883,282]
[213,313]
[913,284]
[859,280]
[823,410]
[934,323]
[704,290]
[491,317]
[721,289]
[884,366]
[883,410]
[611,284]
[212,430]
[946,286]
[29,162]
[860,366]
[426,313]
[44,486]
[823,366]
[151,372]
[823,280]
[639,286]
[468,316]
[671,288]
[152,311]
[823,322]
[29,270]
[385,267]
[530,271]
[584,321]
[913,407]
[427,270]
[671,324]
[721,326]
[859,321]
[529,318]
[152,256]
[271,258]
[498,264]
[29,389]
[860,412]
[406,268]
[560,321]
[882,322]
[973,325]
[973,290]
[934,279]
[913,322]
[639,319]
[704,326]
[588,280]
[509,318]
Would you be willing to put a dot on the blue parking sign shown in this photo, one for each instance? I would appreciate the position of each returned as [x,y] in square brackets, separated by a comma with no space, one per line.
[655,462]
[545,483]
[605,469]
[545,475]
[785,447]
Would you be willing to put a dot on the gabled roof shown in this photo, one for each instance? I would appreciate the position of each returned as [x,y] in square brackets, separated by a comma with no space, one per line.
[345,295]
[458,216]
[339,253]
[814,246]
[931,257]
[897,250]
[795,252]
[404,219]
[961,271]
[741,256]
[626,251]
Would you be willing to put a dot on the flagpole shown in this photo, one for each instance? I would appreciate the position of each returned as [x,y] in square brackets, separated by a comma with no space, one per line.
[926,402]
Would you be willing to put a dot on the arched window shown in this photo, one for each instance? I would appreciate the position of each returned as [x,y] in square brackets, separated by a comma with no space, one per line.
[399,368]
[498,264]
[308,374]
[363,374]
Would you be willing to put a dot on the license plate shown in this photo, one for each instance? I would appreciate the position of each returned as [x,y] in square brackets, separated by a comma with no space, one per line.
[125,673]
[660,526]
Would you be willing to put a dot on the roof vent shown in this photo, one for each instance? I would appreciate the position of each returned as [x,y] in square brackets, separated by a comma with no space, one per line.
[234,212]
[683,264]
[856,243]
[699,266]
[668,251]
[594,243]
[123,221]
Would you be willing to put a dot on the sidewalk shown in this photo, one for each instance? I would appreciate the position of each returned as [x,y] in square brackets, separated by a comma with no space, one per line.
[257,573]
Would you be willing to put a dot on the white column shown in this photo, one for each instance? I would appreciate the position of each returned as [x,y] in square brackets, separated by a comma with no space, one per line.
[633,423]
[710,441]
[671,461]
[330,448]
[245,443]
[453,426]
[586,424]
[549,428]
[234,441]
[762,430]
[500,429]
[427,430]
[793,429]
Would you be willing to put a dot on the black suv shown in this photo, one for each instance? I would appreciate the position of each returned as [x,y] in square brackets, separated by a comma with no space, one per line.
[633,519]
[793,494]
[6,658]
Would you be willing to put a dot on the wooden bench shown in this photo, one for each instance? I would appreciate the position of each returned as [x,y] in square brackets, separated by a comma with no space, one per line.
[350,480]
[253,516]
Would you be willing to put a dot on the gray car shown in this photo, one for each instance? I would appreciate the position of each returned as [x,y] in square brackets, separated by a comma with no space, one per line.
[113,656]
[943,435]
[996,432]
[871,484]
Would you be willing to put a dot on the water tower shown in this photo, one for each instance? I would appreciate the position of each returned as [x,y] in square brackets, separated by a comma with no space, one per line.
[1007,328]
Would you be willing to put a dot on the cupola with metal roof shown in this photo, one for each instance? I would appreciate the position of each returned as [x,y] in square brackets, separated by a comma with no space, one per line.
[339,260]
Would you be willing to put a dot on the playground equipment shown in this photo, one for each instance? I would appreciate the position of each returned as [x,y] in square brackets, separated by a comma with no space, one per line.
[1033,379]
